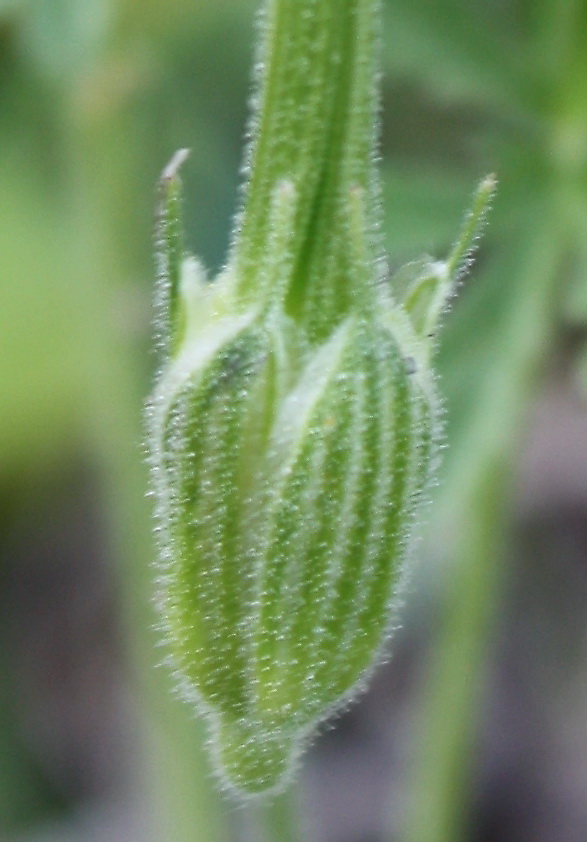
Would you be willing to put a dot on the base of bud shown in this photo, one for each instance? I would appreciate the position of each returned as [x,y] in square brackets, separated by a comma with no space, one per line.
[253,759]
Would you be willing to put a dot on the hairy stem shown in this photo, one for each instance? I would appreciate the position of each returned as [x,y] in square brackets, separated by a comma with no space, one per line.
[313,128]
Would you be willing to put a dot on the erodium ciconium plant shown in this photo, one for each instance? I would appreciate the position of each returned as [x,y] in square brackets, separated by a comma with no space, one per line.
[294,422]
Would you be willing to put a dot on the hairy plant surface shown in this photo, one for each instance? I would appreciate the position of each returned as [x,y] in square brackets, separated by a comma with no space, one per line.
[294,422]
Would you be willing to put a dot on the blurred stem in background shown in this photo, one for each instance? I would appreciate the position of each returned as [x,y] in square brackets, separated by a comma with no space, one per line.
[173,767]
[174,783]
[176,798]
[500,339]
[443,780]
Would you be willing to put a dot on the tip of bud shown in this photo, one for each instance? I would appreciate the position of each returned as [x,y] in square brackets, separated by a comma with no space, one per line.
[489,183]
[173,167]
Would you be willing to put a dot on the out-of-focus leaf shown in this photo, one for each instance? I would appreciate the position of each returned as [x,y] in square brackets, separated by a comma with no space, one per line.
[41,373]
[462,53]
[192,24]
[65,37]
[195,14]
[423,209]
[469,347]
[574,303]
[9,6]
[494,346]
[581,372]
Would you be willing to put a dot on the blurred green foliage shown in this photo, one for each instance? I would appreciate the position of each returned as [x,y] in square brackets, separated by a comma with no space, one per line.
[94,97]
[505,86]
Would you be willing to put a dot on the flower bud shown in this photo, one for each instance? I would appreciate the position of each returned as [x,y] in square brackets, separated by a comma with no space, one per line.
[293,432]
[286,490]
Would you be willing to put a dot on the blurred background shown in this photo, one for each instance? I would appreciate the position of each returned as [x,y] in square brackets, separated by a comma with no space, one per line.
[476,729]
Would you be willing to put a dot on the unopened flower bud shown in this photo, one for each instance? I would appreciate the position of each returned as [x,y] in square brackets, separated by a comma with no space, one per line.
[290,448]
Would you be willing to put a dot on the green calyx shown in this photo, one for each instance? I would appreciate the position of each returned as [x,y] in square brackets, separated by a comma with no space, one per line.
[294,421]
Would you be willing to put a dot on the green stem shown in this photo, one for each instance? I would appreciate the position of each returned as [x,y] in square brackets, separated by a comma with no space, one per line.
[314,129]
[440,785]
[279,818]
